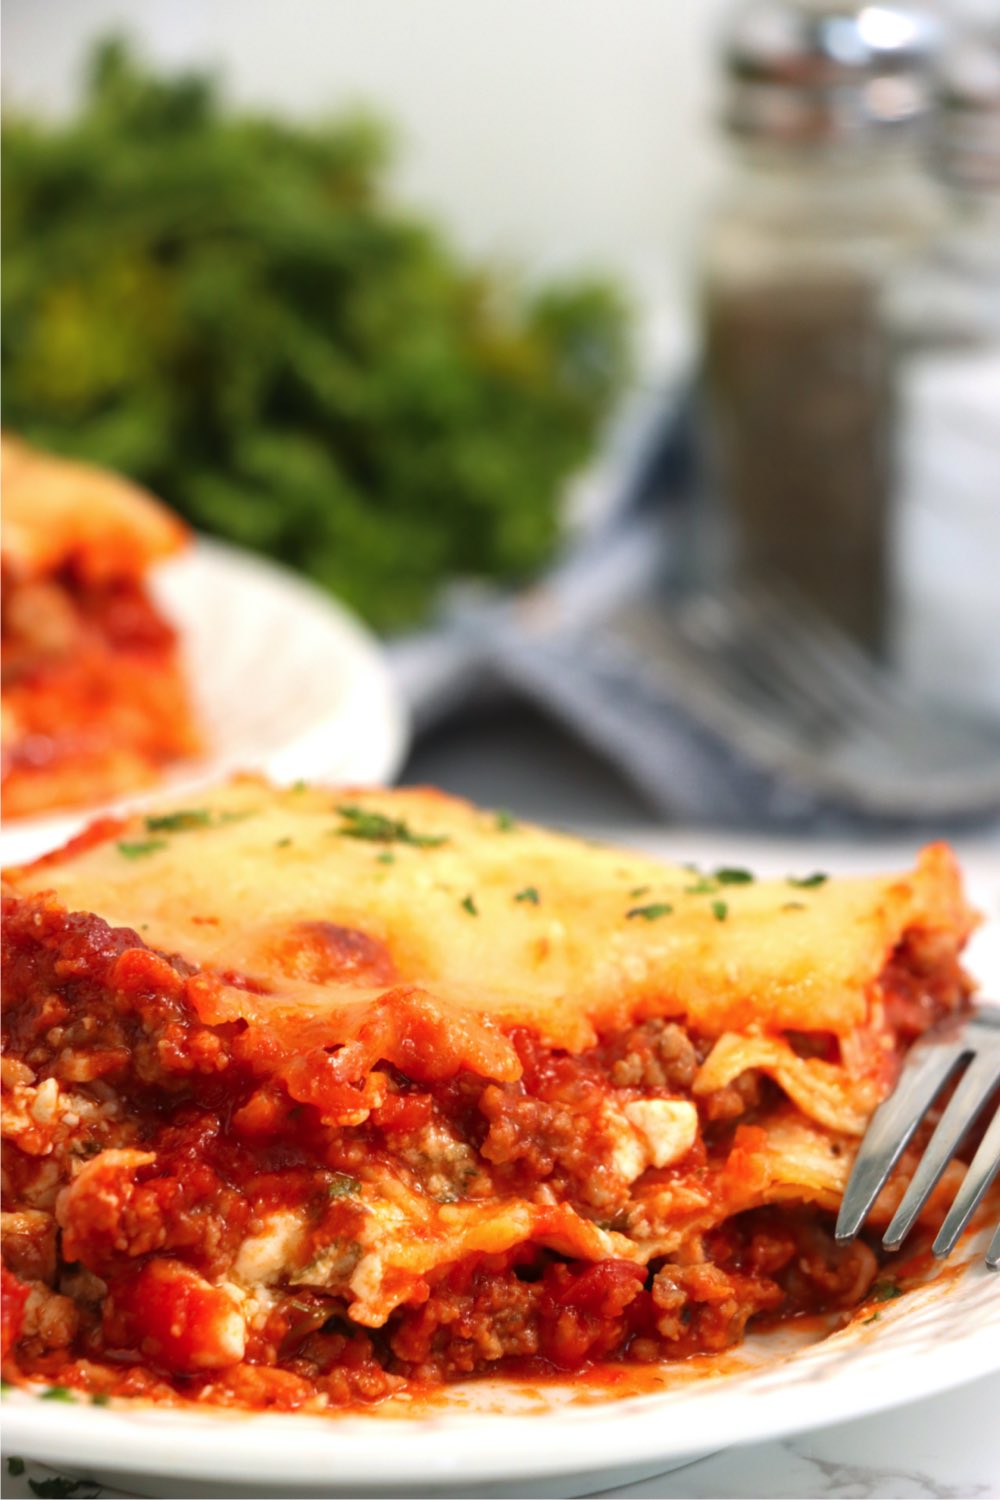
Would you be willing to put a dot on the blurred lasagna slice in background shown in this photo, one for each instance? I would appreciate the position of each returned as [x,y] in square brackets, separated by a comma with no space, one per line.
[94,702]
[309,1094]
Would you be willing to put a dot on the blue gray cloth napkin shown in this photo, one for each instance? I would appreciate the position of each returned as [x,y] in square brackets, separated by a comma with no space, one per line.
[558,645]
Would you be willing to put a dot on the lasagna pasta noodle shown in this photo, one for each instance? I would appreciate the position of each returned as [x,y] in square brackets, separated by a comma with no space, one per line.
[824,1091]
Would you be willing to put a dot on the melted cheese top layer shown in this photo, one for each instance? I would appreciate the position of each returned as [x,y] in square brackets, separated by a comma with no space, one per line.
[326,900]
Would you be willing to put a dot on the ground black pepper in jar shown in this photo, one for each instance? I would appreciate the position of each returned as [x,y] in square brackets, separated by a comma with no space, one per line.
[827,198]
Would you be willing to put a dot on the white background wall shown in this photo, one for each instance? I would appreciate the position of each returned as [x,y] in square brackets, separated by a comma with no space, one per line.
[552,132]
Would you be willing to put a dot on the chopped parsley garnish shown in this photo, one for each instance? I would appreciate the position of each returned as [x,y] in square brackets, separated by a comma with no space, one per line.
[141,849]
[343,1186]
[808,882]
[640,890]
[794,906]
[884,1291]
[707,885]
[59,1488]
[193,817]
[282,843]
[56,1393]
[530,894]
[298,786]
[15,1467]
[650,913]
[873,1319]
[720,910]
[177,822]
[100,1398]
[505,822]
[363,823]
[467,904]
[386,857]
[5,1385]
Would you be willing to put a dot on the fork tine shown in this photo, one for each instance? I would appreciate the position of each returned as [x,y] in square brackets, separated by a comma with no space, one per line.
[982,1170]
[993,1253]
[726,696]
[855,690]
[731,645]
[892,1125]
[786,659]
[838,680]
[972,1093]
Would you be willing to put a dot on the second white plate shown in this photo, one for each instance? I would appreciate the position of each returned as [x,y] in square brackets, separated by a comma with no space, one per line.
[285,680]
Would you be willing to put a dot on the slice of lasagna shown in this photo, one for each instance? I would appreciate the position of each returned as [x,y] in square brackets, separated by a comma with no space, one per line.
[94,702]
[310,1092]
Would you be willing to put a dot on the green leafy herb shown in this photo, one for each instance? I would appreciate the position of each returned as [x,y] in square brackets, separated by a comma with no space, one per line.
[386,857]
[873,1319]
[343,1186]
[703,887]
[467,904]
[141,849]
[194,817]
[530,894]
[229,307]
[56,1393]
[100,1398]
[650,913]
[808,882]
[728,876]
[282,843]
[59,1488]
[640,890]
[363,823]
[15,1467]
[5,1385]
[298,786]
[885,1291]
[793,906]
[505,822]
[177,822]
[720,910]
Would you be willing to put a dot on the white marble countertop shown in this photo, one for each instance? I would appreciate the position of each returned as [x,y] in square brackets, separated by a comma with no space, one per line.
[948,1446]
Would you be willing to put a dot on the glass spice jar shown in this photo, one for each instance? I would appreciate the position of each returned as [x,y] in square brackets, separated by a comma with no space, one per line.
[944,311]
[825,199]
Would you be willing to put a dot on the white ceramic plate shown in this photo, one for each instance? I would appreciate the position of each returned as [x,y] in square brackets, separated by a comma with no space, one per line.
[284,678]
[496,1438]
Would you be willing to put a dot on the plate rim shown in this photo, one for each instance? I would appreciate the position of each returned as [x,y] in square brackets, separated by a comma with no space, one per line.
[116,1439]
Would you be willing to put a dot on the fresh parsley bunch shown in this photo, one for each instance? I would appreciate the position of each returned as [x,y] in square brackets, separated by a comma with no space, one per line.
[226,307]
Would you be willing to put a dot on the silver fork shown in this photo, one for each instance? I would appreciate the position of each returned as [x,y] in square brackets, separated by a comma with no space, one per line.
[765,671]
[973,1045]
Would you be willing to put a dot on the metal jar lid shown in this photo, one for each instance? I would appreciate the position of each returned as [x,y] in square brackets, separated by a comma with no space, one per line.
[825,70]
